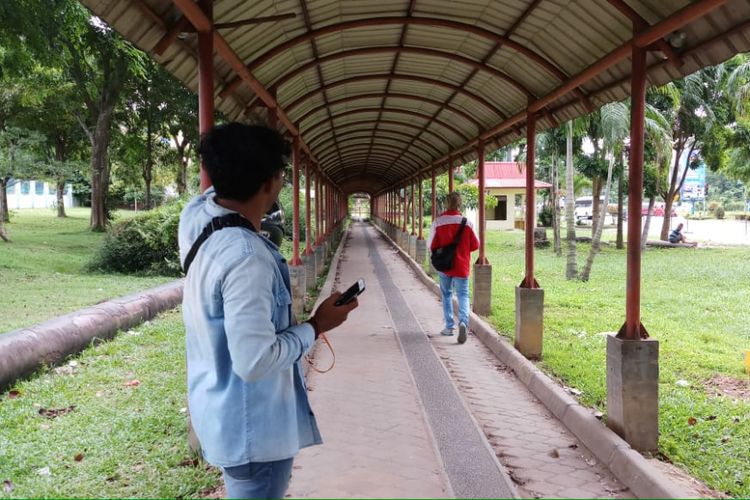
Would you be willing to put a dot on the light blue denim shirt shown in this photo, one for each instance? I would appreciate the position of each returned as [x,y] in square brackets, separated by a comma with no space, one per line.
[246,391]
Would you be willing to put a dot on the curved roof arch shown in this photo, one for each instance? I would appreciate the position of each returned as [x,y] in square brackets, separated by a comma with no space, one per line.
[478,66]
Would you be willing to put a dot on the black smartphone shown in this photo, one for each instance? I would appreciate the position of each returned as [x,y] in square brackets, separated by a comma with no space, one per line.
[351,292]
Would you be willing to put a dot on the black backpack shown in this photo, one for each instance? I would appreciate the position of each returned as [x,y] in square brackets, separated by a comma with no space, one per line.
[442,257]
[216,224]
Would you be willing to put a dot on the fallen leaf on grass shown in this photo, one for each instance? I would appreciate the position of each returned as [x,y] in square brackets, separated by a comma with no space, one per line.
[682,383]
[78,457]
[726,439]
[189,462]
[44,471]
[7,486]
[692,421]
[711,417]
[13,394]
[56,412]
[133,383]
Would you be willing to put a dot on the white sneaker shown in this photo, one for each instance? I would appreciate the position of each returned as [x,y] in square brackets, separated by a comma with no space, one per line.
[448,332]
[461,333]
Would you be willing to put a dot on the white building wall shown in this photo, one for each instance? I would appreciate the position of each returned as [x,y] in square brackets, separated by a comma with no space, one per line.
[36,194]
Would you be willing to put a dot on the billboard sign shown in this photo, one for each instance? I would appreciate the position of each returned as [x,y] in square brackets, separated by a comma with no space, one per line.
[694,188]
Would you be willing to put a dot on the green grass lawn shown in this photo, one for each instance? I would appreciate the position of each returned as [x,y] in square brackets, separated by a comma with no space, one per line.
[694,301]
[121,439]
[41,270]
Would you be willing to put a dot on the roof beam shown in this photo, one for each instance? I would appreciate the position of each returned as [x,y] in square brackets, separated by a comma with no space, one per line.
[367,134]
[411,78]
[420,21]
[350,144]
[659,30]
[322,133]
[399,111]
[198,19]
[377,95]
[640,24]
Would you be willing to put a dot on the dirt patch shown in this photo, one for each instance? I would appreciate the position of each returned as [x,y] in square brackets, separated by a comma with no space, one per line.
[735,388]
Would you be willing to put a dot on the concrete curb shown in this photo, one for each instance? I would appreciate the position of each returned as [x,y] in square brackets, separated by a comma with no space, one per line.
[629,466]
[23,350]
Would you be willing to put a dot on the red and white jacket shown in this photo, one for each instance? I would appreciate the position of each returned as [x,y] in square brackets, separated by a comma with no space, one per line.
[443,231]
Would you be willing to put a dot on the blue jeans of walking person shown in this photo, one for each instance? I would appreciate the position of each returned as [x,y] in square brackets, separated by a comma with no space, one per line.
[258,479]
[461,285]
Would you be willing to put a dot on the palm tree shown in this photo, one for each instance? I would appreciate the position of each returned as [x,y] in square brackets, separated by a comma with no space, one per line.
[614,123]
[691,117]
[550,143]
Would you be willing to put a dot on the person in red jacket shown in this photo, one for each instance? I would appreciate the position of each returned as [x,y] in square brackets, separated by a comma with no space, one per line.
[442,233]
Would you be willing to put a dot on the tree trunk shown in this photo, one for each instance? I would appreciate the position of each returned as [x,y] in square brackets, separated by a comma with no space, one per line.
[620,208]
[182,164]
[61,199]
[555,203]
[571,268]
[3,235]
[100,169]
[149,168]
[596,193]
[673,187]
[598,225]
[4,212]
[647,225]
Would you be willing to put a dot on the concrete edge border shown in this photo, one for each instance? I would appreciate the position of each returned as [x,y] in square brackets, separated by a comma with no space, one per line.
[327,289]
[22,351]
[629,466]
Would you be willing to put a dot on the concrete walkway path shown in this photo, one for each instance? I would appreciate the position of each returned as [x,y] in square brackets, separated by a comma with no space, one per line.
[409,413]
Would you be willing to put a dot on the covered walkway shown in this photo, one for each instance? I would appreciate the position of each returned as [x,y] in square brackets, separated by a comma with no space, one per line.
[408,413]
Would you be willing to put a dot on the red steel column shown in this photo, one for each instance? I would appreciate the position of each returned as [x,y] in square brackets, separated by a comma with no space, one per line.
[434,197]
[308,209]
[295,200]
[450,174]
[413,211]
[632,329]
[482,260]
[421,209]
[405,212]
[530,198]
[318,232]
[206,83]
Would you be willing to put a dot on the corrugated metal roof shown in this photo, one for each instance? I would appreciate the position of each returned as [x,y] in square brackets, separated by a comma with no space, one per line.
[443,71]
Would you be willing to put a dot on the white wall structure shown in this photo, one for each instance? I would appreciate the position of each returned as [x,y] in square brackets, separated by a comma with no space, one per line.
[36,194]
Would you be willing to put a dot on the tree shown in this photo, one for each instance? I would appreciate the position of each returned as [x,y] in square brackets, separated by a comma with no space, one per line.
[47,93]
[571,267]
[550,145]
[692,114]
[93,57]
[614,123]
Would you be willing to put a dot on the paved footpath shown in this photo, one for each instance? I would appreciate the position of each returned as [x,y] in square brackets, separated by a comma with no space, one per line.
[408,413]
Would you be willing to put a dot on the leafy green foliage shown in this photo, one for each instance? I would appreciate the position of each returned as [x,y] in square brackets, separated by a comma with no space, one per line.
[145,244]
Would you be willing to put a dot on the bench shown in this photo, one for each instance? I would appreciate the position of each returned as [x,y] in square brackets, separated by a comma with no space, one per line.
[666,244]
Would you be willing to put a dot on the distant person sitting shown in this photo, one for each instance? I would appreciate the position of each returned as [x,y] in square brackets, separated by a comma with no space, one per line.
[676,236]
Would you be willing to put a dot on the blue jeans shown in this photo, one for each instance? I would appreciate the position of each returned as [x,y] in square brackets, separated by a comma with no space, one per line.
[258,479]
[447,284]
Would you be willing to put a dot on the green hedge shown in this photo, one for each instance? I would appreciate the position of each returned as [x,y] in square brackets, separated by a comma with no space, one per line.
[146,244]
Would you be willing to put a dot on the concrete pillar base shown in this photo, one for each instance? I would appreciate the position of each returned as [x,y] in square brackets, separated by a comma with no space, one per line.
[529,321]
[404,241]
[482,292]
[319,260]
[310,274]
[421,251]
[298,282]
[633,391]
[413,246]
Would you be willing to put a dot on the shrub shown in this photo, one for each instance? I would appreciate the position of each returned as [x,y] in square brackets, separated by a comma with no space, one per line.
[719,212]
[545,216]
[713,206]
[145,244]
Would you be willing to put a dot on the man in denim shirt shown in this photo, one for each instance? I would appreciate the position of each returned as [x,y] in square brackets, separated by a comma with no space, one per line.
[246,391]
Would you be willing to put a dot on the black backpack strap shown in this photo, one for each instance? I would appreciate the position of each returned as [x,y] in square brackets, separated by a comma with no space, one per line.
[216,224]
[457,238]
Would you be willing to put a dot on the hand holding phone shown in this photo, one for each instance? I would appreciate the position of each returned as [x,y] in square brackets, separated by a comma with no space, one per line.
[353,291]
